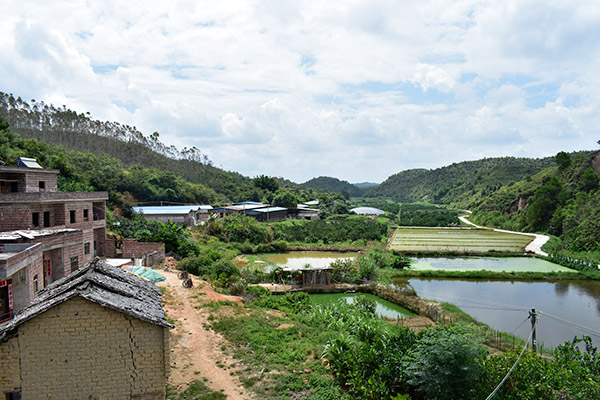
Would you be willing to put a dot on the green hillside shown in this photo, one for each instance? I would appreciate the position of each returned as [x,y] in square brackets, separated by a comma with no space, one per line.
[563,201]
[459,183]
[64,127]
[334,185]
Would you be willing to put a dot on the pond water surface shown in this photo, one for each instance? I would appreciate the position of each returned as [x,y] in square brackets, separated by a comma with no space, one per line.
[567,307]
[516,264]
[383,309]
[297,259]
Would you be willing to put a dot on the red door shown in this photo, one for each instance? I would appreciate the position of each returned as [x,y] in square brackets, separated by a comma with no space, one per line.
[47,266]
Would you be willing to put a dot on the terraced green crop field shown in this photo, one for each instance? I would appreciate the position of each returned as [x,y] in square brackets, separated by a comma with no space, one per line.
[461,240]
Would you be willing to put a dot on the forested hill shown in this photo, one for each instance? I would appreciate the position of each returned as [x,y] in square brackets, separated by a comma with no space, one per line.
[64,127]
[563,201]
[458,183]
[334,185]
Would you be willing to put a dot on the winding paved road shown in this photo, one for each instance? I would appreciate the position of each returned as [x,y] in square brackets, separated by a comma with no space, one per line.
[535,246]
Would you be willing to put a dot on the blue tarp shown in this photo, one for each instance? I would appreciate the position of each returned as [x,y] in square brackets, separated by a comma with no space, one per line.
[147,273]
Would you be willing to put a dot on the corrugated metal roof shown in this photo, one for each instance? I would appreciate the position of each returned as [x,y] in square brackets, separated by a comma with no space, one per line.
[102,284]
[171,210]
[368,211]
[267,210]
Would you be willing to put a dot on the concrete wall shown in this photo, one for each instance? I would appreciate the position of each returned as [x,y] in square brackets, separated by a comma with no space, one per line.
[81,350]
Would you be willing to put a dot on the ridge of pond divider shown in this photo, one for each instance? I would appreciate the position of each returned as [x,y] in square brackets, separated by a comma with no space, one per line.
[498,275]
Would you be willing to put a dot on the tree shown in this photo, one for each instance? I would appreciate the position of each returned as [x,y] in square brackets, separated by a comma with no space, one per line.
[588,180]
[285,199]
[266,183]
[563,160]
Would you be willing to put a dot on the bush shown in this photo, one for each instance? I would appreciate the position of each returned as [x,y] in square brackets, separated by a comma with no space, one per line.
[445,364]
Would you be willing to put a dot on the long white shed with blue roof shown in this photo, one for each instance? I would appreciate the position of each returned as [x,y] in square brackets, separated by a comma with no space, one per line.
[188,215]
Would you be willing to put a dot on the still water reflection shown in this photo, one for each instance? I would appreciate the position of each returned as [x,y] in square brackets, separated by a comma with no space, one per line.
[504,305]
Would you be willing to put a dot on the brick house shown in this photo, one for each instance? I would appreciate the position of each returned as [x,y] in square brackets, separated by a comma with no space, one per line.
[99,333]
[70,226]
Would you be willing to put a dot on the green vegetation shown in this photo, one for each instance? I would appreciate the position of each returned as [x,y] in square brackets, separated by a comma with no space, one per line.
[283,350]
[419,214]
[564,202]
[459,183]
[336,229]
[457,240]
[334,185]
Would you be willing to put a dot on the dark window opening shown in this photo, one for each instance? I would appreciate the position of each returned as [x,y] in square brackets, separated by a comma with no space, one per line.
[72,216]
[42,186]
[12,395]
[86,248]
[46,219]
[74,263]
[35,284]
[86,215]
[35,219]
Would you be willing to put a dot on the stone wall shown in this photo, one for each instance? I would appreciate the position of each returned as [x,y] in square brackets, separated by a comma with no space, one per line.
[82,350]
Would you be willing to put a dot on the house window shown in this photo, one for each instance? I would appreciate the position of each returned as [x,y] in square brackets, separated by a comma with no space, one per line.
[35,284]
[42,186]
[72,216]
[46,219]
[86,248]
[74,263]
[86,215]
[35,219]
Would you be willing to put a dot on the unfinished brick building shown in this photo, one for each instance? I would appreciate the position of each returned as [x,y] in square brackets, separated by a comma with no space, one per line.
[99,333]
[70,226]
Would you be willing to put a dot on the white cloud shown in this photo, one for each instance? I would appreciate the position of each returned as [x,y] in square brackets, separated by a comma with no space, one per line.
[358,90]
[431,77]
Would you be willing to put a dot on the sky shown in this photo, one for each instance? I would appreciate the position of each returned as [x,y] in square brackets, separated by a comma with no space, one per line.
[357,90]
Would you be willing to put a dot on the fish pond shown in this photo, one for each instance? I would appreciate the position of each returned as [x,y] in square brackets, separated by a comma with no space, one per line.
[298,259]
[568,308]
[508,264]
[383,308]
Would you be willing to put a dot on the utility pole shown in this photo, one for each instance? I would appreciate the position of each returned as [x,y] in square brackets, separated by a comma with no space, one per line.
[533,316]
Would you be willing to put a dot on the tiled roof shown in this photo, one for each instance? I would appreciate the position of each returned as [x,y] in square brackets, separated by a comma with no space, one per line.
[102,284]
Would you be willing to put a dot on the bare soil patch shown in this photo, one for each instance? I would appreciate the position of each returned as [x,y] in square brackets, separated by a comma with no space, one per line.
[195,350]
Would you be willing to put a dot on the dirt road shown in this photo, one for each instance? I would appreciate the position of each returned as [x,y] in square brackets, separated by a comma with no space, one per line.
[196,351]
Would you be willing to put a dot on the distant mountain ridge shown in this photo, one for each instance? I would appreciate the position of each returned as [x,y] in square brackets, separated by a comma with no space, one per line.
[335,185]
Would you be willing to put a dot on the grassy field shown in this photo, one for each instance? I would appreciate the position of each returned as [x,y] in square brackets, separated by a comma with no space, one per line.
[456,240]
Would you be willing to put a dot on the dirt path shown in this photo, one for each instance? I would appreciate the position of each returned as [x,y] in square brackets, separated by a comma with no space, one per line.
[535,246]
[196,351]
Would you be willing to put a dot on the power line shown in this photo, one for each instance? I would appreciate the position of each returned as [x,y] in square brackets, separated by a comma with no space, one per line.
[514,365]
[500,306]
[566,321]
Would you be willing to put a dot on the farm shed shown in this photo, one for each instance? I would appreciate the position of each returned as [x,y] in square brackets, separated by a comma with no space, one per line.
[268,214]
[98,333]
[315,277]
[190,215]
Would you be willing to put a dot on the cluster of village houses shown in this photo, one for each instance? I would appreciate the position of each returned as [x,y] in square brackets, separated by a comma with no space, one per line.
[71,325]
[192,215]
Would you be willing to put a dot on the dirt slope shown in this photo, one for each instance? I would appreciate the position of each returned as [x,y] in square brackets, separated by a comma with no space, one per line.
[196,351]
